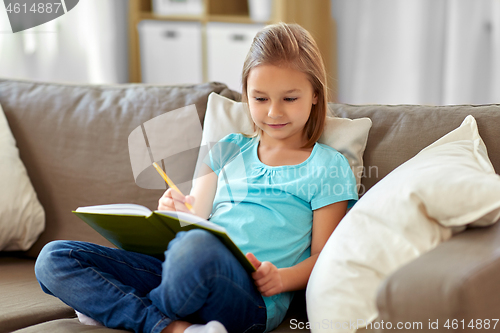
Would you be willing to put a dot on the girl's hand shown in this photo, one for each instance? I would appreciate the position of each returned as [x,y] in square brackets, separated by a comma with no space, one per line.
[171,200]
[267,277]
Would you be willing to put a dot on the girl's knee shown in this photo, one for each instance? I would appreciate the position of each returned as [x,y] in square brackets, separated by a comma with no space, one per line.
[191,239]
[196,246]
[194,241]
[49,258]
[199,236]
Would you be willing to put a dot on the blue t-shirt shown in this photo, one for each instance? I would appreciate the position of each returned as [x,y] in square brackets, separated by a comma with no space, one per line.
[268,210]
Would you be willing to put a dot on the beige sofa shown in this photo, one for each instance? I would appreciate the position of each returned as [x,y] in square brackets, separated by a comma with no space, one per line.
[73,142]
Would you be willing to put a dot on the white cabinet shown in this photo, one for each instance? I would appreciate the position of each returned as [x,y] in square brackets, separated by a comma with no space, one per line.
[178,7]
[171,52]
[227,47]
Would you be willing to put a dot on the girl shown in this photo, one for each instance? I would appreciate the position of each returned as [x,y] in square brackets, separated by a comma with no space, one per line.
[274,193]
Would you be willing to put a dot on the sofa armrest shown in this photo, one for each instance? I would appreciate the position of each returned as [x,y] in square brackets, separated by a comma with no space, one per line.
[459,279]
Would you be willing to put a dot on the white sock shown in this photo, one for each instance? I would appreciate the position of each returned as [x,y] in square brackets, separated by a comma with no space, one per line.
[87,320]
[211,327]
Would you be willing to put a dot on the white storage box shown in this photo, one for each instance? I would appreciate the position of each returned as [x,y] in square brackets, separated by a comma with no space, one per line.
[227,47]
[170,52]
[178,7]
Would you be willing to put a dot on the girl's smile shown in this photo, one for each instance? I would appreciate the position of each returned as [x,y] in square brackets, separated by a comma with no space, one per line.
[276,126]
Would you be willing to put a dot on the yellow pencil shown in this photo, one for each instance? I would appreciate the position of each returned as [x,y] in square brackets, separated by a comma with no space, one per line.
[171,184]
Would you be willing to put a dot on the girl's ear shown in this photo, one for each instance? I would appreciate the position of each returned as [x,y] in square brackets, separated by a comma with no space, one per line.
[315,99]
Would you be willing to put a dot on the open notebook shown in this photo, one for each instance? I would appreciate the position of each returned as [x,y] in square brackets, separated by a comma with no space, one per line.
[136,228]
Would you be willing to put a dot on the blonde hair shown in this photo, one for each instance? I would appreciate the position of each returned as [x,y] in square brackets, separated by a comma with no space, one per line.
[292,46]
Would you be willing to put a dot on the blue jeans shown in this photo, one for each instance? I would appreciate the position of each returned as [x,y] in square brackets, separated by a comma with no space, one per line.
[199,280]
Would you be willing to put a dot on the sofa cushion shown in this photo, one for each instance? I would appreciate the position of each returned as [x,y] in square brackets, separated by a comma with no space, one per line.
[22,218]
[22,301]
[450,183]
[456,280]
[73,142]
[399,132]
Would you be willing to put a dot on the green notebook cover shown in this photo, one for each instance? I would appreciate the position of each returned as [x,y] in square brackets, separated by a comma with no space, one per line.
[136,228]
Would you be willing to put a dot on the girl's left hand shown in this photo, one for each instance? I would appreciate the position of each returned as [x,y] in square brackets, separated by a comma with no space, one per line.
[267,277]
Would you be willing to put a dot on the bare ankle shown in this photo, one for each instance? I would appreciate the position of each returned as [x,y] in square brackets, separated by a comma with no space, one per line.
[177,326]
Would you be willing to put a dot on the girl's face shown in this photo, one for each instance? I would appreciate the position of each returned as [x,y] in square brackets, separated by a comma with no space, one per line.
[280,101]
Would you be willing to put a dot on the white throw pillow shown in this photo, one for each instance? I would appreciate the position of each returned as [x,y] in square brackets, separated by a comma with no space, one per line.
[451,183]
[22,217]
[225,116]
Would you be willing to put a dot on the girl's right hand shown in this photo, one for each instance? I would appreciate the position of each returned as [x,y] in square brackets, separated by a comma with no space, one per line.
[171,200]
